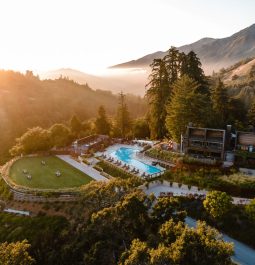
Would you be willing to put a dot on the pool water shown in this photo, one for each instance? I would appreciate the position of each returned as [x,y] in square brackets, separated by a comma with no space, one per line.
[127,156]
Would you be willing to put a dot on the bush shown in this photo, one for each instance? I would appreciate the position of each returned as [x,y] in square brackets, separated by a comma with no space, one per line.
[113,171]
[164,155]
[98,168]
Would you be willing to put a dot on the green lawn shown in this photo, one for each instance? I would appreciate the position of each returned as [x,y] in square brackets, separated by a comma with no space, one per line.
[43,177]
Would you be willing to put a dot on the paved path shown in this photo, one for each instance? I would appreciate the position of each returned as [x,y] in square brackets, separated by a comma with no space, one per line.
[82,167]
[184,191]
[243,254]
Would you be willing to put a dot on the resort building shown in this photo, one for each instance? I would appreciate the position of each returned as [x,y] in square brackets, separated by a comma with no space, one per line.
[245,148]
[85,144]
[204,142]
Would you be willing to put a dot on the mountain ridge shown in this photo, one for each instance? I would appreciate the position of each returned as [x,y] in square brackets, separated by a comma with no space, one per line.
[215,53]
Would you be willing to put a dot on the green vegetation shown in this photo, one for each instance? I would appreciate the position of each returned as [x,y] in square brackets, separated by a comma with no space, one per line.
[250,210]
[15,253]
[44,176]
[179,93]
[119,219]
[135,238]
[220,104]
[164,74]
[45,234]
[141,129]
[217,204]
[28,102]
[102,124]
[179,244]
[4,190]
[187,104]
[123,122]
[113,171]
[211,178]
[164,155]
[236,222]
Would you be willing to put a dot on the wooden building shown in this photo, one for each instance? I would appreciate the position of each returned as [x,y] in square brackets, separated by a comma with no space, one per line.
[245,148]
[204,142]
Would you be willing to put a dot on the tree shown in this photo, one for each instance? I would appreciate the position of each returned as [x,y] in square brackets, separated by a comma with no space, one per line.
[136,255]
[252,72]
[59,135]
[123,121]
[220,104]
[173,61]
[186,246]
[141,129]
[164,74]
[251,114]
[250,210]
[76,126]
[34,140]
[161,256]
[170,231]
[192,67]
[102,124]
[166,208]
[217,204]
[202,246]
[187,104]
[15,253]
[158,92]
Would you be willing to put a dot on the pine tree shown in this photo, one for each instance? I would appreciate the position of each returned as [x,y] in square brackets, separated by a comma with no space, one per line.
[165,72]
[123,121]
[251,114]
[158,93]
[173,64]
[191,66]
[187,104]
[102,125]
[220,104]
[76,126]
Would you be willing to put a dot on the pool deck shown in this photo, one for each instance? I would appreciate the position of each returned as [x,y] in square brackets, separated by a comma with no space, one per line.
[138,156]
[90,171]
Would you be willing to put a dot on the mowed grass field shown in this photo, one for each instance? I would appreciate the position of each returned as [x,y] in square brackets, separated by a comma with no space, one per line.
[43,176]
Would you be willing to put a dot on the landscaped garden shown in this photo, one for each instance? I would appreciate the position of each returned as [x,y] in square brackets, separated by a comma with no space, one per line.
[46,172]
[112,170]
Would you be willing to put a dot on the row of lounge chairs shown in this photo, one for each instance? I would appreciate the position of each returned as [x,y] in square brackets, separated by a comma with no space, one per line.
[166,194]
[189,195]
[119,164]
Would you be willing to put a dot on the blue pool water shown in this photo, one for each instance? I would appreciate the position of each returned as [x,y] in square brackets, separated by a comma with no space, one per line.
[126,155]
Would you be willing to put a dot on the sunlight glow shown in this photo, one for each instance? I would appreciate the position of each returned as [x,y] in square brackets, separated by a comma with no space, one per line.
[92,35]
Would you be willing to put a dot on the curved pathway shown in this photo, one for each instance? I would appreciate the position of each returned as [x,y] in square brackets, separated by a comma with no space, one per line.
[243,254]
[84,168]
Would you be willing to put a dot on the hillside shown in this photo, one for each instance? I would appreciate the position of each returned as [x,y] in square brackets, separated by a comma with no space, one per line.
[214,53]
[129,81]
[240,80]
[26,101]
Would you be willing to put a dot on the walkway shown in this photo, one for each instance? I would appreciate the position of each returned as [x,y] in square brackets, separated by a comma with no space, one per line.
[84,168]
[157,188]
[243,254]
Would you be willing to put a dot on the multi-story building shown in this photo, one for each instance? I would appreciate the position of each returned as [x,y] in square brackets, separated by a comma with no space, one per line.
[245,148]
[204,142]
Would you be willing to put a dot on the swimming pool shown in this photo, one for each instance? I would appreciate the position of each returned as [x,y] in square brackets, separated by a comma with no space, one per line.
[127,156]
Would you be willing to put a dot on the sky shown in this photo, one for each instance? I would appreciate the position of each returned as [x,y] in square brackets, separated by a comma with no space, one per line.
[90,35]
